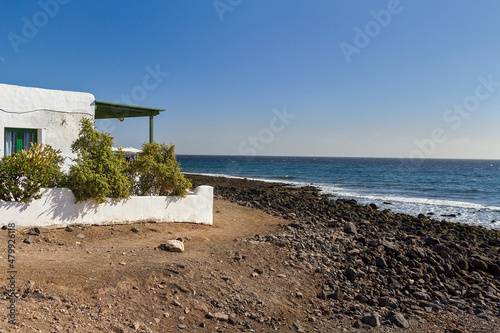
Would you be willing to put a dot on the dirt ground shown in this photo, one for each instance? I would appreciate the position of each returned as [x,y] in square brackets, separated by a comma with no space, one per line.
[115,279]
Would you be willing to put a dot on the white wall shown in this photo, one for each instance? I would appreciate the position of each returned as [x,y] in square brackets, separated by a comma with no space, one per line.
[57,208]
[55,114]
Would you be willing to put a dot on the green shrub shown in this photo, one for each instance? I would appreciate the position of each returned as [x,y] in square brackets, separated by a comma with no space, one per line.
[24,173]
[156,171]
[97,173]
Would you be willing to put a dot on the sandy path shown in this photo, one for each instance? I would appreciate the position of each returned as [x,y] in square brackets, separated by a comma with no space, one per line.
[109,277]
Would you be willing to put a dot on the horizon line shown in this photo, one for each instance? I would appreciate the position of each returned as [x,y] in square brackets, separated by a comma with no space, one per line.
[373,157]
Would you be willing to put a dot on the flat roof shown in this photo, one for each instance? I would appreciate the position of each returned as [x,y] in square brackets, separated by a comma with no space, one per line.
[105,110]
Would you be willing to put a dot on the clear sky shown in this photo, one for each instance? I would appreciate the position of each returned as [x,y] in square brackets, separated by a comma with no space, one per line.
[283,77]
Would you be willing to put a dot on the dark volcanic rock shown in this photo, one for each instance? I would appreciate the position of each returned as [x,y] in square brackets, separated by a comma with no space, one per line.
[399,320]
[384,262]
[479,264]
[350,228]
[421,295]
[372,319]
[494,268]
[431,241]
[381,263]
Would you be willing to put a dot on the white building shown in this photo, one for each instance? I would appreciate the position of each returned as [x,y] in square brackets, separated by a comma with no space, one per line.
[41,115]
[53,117]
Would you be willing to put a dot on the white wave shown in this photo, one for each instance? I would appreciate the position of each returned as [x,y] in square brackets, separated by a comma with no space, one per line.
[239,177]
[413,200]
[464,212]
[267,180]
[342,192]
[216,175]
[467,212]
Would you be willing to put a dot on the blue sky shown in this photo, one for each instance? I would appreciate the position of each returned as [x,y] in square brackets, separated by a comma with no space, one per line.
[305,77]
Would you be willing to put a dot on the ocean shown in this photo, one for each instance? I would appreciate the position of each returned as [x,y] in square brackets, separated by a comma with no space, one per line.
[465,191]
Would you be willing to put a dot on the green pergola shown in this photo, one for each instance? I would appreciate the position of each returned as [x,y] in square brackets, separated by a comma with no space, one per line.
[105,110]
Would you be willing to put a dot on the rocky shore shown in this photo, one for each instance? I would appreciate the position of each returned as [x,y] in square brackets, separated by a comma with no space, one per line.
[379,269]
[277,258]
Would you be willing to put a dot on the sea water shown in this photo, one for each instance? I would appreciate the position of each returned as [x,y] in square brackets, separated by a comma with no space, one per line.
[468,190]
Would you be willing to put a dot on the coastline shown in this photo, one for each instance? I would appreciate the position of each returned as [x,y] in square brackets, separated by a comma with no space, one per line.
[277,258]
[380,263]
[225,188]
[440,189]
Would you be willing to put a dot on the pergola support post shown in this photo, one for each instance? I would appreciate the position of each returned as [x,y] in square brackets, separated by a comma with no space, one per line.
[151,129]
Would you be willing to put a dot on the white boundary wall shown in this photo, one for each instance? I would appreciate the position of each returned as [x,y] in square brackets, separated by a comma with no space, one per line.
[57,208]
[55,114]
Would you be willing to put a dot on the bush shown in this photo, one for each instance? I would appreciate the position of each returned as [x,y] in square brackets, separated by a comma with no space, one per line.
[97,173]
[24,173]
[156,171]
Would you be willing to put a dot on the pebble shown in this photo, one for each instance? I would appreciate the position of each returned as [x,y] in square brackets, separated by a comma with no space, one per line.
[381,262]
[221,316]
[372,319]
[172,245]
[350,228]
[55,298]
[41,230]
[32,232]
[399,320]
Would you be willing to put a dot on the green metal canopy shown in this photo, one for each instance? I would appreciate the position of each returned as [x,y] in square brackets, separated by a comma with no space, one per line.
[105,110]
